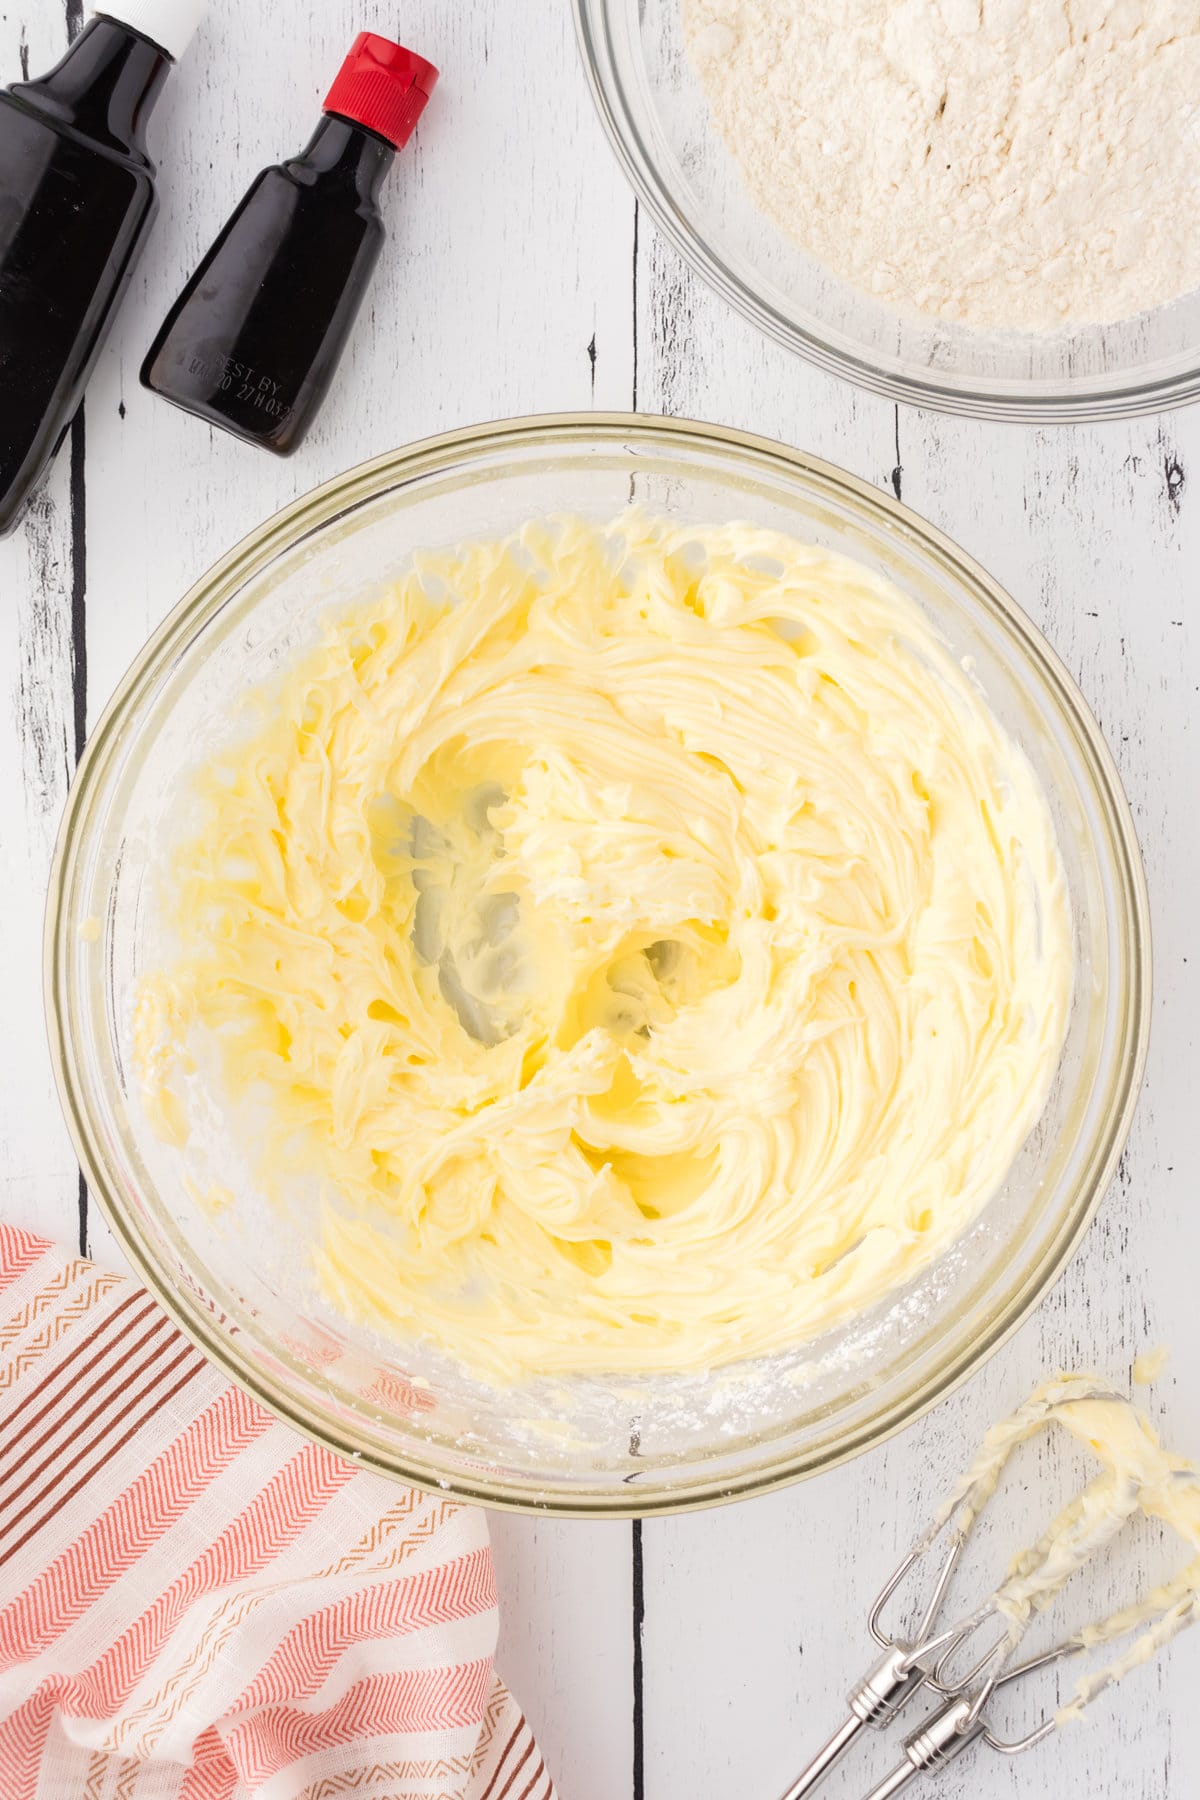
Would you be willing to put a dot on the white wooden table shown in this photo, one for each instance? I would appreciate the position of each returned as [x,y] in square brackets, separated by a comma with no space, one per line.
[699,1657]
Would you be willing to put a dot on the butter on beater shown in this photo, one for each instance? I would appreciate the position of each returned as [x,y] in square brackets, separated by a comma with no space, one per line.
[1149,1365]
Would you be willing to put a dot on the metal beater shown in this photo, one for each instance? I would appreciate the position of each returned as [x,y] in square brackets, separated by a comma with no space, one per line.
[930,1659]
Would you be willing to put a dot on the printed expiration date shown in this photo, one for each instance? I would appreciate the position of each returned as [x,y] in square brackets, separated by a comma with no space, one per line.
[245,383]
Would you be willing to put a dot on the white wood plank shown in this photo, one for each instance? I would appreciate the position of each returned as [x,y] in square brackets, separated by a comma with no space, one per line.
[1094,531]
[39,1186]
[730,1637]
[566,1643]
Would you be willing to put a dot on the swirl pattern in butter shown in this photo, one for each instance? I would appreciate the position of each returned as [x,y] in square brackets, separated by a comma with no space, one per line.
[646,934]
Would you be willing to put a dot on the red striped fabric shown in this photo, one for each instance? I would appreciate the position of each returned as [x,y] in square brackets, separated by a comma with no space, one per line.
[195,1604]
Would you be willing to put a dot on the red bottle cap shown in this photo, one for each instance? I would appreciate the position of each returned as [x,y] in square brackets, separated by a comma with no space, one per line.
[383,86]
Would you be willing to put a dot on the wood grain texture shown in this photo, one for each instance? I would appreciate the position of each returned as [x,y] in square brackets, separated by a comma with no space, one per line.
[565,1644]
[37,756]
[521,278]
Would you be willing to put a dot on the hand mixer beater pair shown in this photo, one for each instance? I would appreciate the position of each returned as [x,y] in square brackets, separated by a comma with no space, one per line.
[1137,1477]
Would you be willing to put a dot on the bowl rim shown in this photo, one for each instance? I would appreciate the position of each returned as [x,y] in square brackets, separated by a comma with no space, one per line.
[287,528]
[1124,398]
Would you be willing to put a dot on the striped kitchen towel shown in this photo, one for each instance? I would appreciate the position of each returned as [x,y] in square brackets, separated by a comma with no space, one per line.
[196,1604]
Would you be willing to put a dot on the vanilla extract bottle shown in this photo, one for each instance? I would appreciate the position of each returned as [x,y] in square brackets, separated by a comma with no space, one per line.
[77,201]
[254,339]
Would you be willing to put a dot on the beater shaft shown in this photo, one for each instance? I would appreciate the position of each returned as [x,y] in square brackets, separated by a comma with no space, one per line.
[932,1745]
[875,1700]
[825,1759]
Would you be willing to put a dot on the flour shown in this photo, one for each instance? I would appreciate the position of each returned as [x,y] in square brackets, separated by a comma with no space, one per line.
[1013,164]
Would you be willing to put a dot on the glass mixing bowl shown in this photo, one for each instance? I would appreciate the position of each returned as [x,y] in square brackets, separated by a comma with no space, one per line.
[237,1282]
[656,114]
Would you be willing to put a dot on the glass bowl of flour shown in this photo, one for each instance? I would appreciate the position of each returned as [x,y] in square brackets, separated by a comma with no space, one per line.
[989,210]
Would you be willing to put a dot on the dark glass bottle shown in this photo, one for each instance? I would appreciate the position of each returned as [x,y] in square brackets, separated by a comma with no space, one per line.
[76,202]
[253,340]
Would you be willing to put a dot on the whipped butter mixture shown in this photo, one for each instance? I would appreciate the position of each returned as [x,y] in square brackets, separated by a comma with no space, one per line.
[646,935]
